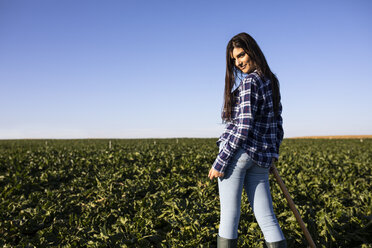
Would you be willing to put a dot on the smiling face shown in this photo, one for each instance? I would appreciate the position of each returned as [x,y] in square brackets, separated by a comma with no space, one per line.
[242,60]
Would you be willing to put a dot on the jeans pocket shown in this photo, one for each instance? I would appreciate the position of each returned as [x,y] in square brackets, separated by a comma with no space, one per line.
[241,157]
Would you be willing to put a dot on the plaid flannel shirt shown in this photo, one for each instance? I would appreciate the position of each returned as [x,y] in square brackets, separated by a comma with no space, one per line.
[254,127]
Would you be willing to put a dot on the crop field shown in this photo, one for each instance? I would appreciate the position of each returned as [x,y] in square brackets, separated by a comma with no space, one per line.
[156,193]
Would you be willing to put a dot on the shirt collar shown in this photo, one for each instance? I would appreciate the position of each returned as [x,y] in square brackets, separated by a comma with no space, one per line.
[239,76]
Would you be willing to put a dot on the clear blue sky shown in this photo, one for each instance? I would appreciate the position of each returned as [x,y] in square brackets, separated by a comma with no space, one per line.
[136,69]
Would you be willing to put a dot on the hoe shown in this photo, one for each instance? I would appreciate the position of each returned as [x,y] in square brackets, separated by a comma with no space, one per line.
[292,206]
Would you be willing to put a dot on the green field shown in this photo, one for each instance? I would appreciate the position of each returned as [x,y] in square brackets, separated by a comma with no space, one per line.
[155,193]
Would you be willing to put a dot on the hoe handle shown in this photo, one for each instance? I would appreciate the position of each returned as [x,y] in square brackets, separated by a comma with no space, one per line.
[292,206]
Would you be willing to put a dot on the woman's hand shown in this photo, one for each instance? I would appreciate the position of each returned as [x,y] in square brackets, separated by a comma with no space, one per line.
[213,173]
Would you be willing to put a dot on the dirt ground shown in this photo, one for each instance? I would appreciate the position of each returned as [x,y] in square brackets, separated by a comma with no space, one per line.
[336,137]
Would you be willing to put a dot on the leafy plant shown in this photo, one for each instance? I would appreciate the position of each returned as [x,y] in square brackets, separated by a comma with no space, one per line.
[155,193]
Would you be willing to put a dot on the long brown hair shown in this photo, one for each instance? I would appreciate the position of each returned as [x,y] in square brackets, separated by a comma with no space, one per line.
[250,46]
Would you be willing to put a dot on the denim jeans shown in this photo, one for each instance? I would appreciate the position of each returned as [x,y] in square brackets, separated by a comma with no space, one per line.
[243,172]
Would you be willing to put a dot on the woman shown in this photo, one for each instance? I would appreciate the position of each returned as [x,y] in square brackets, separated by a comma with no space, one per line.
[250,141]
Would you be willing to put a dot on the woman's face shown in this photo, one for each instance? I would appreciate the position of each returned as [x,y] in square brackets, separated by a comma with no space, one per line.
[242,60]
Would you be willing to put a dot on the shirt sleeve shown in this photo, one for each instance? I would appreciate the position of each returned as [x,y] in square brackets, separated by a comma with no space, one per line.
[248,106]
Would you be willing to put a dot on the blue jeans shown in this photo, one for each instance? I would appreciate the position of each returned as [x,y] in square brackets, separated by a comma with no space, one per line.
[243,172]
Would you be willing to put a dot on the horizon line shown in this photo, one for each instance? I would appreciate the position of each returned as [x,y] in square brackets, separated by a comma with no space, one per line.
[354,136]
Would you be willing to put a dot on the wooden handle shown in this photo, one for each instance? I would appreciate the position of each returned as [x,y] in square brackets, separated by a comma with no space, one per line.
[293,207]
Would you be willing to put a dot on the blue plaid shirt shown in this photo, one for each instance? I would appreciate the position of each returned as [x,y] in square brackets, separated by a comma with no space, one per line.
[254,126]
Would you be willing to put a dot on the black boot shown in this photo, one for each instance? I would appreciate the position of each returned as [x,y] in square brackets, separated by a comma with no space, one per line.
[279,244]
[226,243]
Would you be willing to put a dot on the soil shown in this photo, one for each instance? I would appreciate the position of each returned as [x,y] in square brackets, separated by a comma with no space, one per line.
[336,137]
